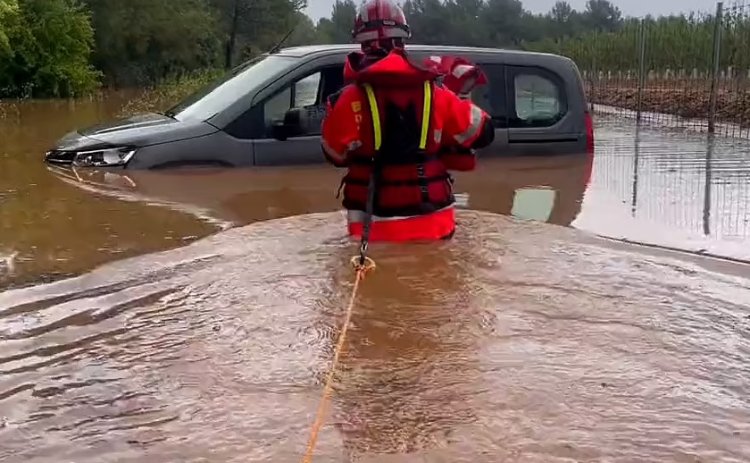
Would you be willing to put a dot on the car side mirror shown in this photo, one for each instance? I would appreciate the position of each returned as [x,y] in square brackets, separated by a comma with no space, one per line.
[279,130]
[294,124]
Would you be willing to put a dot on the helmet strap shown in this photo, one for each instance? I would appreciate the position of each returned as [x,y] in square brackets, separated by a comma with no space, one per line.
[382,47]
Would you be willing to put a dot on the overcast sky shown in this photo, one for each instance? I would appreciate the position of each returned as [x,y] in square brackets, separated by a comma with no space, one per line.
[322,8]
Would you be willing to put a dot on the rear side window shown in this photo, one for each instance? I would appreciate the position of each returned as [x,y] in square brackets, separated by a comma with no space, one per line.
[538,97]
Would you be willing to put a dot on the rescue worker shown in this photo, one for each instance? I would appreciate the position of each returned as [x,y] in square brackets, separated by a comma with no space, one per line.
[389,127]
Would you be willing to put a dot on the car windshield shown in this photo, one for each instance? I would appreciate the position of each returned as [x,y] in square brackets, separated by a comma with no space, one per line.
[218,95]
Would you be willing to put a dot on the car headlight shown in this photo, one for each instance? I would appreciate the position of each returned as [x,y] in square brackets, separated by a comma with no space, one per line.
[107,157]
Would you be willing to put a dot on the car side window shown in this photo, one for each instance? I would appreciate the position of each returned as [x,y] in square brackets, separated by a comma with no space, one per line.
[276,107]
[309,92]
[306,91]
[300,93]
[491,96]
[538,98]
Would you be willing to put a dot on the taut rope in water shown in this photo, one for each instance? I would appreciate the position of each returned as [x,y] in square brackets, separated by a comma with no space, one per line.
[361,270]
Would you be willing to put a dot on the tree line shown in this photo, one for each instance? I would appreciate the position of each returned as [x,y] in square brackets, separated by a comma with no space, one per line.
[62,48]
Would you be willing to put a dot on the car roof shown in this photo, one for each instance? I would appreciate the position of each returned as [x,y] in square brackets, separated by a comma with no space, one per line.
[308,50]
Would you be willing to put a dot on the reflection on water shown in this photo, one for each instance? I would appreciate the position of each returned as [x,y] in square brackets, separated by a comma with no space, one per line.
[641,189]
[650,186]
[242,196]
[533,203]
[670,189]
[701,185]
[514,342]
[55,230]
[221,198]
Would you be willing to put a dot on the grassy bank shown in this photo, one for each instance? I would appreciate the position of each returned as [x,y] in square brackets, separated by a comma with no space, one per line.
[168,93]
[127,101]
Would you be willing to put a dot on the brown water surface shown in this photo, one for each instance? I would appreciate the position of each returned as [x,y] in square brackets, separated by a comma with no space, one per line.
[647,185]
[522,339]
[54,229]
[514,342]
[62,222]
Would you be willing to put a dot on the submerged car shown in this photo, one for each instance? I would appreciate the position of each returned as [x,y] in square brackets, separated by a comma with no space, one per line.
[267,112]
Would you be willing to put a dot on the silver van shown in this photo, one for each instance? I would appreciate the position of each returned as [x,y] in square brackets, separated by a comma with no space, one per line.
[267,112]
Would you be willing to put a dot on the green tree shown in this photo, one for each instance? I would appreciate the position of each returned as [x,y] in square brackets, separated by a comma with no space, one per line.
[463,17]
[503,21]
[141,42]
[305,32]
[248,27]
[430,21]
[338,29]
[564,20]
[8,15]
[602,15]
[58,47]
[50,47]
[562,12]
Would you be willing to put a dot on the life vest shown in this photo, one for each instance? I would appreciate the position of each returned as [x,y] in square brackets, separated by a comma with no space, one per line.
[409,179]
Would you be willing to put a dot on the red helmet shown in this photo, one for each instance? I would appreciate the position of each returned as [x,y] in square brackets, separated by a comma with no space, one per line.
[378,20]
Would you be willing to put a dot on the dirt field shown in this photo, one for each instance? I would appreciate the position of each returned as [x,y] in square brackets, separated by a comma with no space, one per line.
[686,98]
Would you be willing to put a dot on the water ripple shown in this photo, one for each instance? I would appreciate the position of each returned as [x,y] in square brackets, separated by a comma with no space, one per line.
[514,342]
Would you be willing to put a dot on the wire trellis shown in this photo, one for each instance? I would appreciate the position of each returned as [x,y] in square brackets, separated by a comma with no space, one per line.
[688,72]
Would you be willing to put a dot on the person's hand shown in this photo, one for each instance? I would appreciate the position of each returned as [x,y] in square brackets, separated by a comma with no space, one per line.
[458,75]
[353,146]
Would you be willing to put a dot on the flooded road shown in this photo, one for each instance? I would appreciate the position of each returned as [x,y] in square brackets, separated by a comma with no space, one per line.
[53,230]
[670,189]
[647,186]
[516,341]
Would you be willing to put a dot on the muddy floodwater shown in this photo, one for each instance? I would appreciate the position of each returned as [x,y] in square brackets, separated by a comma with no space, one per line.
[650,186]
[513,343]
[191,316]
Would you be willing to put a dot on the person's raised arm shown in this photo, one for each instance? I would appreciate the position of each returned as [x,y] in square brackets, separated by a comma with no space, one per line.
[466,124]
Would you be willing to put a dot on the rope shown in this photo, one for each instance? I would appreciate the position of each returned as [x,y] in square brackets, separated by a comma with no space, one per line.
[367,225]
[361,271]
[363,264]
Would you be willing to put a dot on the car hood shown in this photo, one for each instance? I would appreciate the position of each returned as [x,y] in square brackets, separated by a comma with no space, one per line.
[140,130]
